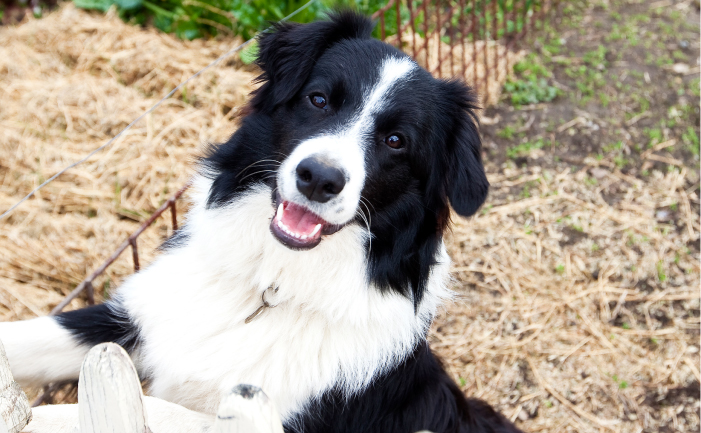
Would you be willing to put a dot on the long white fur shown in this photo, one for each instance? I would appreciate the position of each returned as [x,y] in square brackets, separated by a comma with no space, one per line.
[41,351]
[345,148]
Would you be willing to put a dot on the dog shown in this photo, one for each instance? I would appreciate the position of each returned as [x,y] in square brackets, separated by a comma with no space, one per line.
[312,262]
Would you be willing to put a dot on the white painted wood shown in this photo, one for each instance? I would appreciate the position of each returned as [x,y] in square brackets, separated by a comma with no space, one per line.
[58,418]
[15,412]
[247,410]
[110,399]
[167,417]
[163,417]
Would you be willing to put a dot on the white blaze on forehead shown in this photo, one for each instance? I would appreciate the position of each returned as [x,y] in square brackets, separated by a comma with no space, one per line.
[392,71]
[345,147]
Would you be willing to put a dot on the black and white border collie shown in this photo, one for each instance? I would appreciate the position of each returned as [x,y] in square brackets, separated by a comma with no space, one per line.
[327,208]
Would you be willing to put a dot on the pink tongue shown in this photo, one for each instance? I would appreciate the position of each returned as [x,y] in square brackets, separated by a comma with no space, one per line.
[299,219]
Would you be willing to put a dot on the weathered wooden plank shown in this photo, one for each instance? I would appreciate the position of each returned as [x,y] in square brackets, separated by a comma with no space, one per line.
[247,410]
[110,399]
[163,417]
[15,412]
[167,417]
[58,418]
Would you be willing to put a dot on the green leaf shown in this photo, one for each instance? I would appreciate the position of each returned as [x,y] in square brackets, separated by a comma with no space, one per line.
[187,30]
[160,11]
[101,5]
[129,4]
[163,23]
[250,53]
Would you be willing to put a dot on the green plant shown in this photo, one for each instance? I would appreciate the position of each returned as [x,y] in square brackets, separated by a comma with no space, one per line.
[622,384]
[250,53]
[655,136]
[695,87]
[660,272]
[525,148]
[507,133]
[596,57]
[524,92]
[530,85]
[190,19]
[691,139]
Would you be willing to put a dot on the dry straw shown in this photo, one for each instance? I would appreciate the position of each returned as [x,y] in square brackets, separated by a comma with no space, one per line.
[574,313]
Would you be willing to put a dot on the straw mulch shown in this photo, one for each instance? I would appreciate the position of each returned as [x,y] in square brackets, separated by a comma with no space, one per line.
[575,313]
[70,82]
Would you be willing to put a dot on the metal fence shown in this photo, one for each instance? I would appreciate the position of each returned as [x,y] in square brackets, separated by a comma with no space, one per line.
[471,39]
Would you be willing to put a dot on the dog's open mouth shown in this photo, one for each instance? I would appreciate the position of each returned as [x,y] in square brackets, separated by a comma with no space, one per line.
[299,228]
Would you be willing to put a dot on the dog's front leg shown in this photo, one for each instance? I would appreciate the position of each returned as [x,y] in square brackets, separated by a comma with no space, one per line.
[51,349]
[41,351]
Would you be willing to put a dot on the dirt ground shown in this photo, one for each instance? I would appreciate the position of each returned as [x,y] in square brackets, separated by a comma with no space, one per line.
[578,281]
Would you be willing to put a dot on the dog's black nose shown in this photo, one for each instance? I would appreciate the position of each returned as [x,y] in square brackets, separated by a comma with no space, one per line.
[318,180]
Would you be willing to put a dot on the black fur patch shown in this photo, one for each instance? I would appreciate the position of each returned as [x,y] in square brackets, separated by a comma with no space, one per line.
[176,240]
[415,395]
[101,324]
[287,55]
[242,161]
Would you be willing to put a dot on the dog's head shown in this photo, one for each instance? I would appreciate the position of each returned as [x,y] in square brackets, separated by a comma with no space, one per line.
[348,130]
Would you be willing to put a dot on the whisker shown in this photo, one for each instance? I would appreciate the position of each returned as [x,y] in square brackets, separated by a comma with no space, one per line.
[367,223]
[267,161]
[257,172]
[367,202]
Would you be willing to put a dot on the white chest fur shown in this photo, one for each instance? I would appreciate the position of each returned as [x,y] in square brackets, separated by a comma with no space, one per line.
[329,328]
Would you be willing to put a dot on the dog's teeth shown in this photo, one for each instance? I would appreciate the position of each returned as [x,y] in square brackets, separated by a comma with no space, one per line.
[280,211]
[316,230]
[304,237]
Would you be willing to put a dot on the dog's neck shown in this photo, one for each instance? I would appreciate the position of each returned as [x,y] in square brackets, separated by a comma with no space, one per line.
[235,244]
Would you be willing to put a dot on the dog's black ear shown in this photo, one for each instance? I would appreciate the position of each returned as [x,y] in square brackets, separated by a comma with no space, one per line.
[466,182]
[288,53]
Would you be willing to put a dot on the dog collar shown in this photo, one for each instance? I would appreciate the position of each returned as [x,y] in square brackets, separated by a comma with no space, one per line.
[265,305]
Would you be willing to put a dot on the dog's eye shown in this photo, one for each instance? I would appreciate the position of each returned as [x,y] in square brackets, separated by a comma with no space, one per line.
[318,100]
[394,142]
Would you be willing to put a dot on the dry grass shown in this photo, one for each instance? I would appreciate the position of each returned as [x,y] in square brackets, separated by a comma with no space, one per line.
[70,82]
[575,314]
